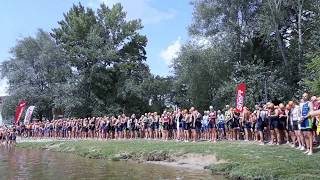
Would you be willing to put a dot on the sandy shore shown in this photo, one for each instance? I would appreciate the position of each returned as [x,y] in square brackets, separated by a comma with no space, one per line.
[186,161]
[21,140]
[237,159]
[191,161]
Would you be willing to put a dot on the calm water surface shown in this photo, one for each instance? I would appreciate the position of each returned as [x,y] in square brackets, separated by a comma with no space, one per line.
[36,164]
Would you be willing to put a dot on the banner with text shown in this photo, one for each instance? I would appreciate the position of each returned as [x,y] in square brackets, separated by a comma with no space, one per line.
[28,115]
[241,92]
[22,104]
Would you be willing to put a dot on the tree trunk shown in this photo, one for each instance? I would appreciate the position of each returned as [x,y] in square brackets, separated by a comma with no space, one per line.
[300,4]
[275,10]
[281,46]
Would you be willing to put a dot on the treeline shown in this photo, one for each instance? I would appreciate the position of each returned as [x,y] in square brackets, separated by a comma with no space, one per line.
[94,62]
[271,45]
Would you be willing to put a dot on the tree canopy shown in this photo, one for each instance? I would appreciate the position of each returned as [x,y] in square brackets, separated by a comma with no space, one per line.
[94,62]
[265,44]
[35,72]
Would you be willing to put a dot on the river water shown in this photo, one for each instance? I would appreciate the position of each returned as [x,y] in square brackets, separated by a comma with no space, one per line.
[16,163]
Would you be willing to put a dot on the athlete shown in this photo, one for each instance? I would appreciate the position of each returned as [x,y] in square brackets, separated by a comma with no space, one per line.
[282,126]
[294,121]
[228,119]
[166,120]
[221,125]
[235,131]
[273,116]
[212,125]
[205,123]
[247,124]
[306,123]
[261,120]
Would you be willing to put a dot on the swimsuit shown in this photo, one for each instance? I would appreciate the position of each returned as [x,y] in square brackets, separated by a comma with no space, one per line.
[235,122]
[274,121]
[212,120]
[282,121]
[166,123]
[306,123]
[220,121]
[261,120]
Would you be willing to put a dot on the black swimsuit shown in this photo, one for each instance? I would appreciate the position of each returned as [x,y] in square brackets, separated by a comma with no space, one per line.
[282,121]
[192,123]
[274,121]
[235,122]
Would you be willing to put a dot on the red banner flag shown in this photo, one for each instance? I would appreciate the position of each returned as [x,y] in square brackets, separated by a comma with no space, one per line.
[241,92]
[22,104]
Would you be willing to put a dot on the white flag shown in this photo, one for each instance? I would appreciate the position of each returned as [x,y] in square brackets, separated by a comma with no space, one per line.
[28,115]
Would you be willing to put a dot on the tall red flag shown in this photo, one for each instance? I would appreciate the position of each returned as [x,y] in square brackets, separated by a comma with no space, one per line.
[22,104]
[241,92]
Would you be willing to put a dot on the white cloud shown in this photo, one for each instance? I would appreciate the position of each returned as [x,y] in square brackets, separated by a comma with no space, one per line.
[171,52]
[138,9]
[3,87]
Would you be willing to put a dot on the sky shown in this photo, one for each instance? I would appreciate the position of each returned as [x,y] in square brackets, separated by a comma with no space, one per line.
[165,25]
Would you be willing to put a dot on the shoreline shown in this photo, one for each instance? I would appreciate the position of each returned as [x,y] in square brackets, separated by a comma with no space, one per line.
[240,160]
[190,161]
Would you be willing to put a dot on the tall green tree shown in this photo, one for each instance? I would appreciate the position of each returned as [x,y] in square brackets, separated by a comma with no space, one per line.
[159,92]
[312,79]
[37,66]
[199,71]
[266,44]
[107,53]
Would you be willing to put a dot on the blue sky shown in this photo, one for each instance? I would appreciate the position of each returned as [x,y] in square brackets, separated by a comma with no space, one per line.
[165,24]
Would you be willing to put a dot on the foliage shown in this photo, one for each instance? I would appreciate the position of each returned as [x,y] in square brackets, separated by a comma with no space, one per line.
[159,91]
[313,79]
[93,64]
[262,43]
[36,68]
[199,70]
[107,54]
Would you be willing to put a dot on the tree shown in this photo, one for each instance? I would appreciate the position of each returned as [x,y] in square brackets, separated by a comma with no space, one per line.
[262,43]
[107,54]
[158,90]
[37,66]
[313,78]
[231,21]
[199,72]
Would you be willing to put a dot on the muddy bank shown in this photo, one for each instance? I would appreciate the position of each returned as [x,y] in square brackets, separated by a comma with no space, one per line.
[179,160]
[243,160]
[23,163]
[190,161]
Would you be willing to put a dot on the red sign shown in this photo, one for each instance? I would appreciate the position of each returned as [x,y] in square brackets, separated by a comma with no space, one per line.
[241,92]
[22,104]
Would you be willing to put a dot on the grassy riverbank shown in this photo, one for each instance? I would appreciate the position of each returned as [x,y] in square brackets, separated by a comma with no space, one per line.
[244,160]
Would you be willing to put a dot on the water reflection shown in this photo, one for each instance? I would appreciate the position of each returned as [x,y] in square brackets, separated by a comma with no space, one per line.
[35,164]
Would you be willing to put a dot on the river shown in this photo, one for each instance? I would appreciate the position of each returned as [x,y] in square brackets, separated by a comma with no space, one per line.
[16,163]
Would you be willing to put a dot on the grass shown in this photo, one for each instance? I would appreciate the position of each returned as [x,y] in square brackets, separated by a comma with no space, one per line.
[244,160]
